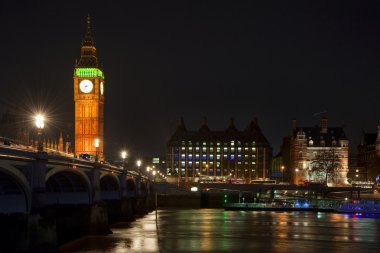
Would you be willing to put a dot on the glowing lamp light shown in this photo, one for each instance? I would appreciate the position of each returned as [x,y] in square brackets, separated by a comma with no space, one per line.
[39,119]
[138,162]
[96,143]
[123,154]
[194,189]
[154,173]
[148,168]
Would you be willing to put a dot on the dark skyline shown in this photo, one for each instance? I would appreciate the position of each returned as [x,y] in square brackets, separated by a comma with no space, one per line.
[271,60]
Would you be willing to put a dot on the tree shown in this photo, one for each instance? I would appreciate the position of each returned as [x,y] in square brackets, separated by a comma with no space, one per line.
[326,165]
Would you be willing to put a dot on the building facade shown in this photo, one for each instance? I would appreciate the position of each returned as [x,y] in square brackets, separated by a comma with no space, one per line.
[306,143]
[369,154]
[89,99]
[218,155]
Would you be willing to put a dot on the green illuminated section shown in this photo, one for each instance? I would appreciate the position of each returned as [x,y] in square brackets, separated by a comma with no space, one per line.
[88,72]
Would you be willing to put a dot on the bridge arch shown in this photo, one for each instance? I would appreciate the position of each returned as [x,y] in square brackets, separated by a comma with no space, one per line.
[109,187]
[15,191]
[68,186]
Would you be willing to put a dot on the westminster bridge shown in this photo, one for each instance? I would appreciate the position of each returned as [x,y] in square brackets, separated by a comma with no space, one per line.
[52,197]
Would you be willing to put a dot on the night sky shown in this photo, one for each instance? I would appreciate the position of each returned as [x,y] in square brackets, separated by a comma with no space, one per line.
[196,59]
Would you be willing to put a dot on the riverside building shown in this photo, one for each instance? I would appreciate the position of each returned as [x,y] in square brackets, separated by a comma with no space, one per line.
[219,156]
[305,143]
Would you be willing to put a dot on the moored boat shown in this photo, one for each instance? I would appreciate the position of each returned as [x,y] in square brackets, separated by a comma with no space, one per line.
[360,206]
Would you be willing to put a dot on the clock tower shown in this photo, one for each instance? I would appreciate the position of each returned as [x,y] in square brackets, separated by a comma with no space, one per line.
[89,99]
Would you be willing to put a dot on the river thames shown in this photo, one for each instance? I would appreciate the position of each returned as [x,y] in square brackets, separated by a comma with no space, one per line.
[216,230]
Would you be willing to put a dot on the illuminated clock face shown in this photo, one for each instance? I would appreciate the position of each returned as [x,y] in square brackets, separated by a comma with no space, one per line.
[86,86]
[101,88]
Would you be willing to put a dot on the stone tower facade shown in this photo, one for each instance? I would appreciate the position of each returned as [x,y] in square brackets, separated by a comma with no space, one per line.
[89,99]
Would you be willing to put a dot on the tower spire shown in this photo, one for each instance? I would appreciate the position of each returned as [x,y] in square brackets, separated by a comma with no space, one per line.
[88,51]
[88,27]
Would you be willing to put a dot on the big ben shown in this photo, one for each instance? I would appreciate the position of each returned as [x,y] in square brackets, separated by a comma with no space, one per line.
[89,99]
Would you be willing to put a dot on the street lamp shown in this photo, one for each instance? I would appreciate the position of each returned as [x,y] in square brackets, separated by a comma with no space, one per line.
[282,172]
[296,170]
[154,174]
[138,163]
[96,144]
[123,157]
[39,120]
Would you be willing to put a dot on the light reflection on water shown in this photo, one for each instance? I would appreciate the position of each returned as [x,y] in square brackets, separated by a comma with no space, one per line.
[216,230]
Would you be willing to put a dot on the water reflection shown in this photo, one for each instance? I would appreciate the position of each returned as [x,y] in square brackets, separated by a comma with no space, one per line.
[211,230]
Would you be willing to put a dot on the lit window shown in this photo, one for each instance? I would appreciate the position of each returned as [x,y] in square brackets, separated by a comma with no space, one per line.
[197,148]
[357,170]
[204,144]
[232,150]
[225,149]
[183,148]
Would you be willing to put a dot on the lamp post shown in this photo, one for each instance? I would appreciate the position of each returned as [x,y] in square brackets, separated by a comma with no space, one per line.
[282,172]
[124,155]
[123,183]
[148,169]
[96,144]
[39,120]
[154,176]
[138,163]
[296,170]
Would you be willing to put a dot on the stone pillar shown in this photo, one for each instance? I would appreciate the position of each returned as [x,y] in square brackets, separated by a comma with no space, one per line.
[41,221]
[138,187]
[98,222]
[123,184]
[126,204]
[38,181]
